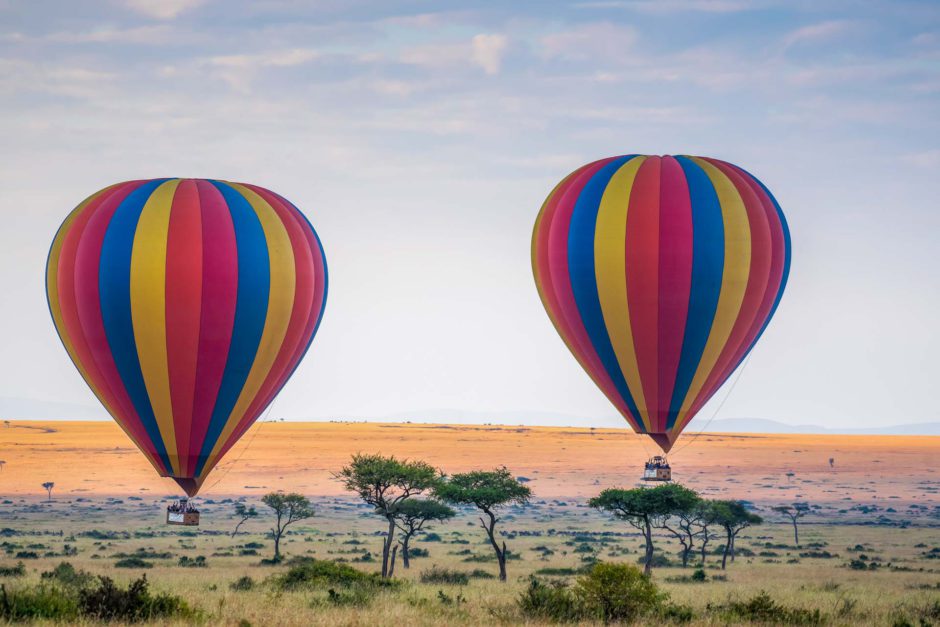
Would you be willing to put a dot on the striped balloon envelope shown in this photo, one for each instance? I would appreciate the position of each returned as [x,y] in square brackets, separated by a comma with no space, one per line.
[660,274]
[186,304]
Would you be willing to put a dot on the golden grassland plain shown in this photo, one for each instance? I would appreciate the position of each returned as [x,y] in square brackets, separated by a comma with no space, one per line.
[879,499]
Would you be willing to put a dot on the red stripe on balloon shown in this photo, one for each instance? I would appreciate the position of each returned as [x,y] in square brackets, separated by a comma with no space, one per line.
[183,312]
[296,326]
[65,282]
[88,304]
[754,292]
[675,279]
[217,315]
[559,284]
[642,270]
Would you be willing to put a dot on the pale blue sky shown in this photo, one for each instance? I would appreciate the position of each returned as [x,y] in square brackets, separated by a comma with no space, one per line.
[421,138]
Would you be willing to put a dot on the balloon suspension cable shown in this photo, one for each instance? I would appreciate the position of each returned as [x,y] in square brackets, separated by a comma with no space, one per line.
[737,378]
[231,464]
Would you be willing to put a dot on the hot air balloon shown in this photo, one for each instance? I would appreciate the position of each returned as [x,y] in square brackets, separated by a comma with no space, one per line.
[186,305]
[660,274]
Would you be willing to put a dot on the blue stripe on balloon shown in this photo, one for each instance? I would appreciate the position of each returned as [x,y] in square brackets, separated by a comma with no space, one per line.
[708,258]
[251,310]
[581,235]
[114,285]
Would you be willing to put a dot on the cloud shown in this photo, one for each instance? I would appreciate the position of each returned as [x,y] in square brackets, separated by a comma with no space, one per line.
[488,52]
[240,70]
[162,9]
[588,41]
[483,50]
[927,159]
[821,31]
[672,6]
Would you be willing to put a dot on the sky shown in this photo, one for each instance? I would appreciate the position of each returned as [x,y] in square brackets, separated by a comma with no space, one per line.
[421,138]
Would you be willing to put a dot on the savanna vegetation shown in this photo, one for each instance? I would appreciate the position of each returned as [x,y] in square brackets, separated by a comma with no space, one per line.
[470,548]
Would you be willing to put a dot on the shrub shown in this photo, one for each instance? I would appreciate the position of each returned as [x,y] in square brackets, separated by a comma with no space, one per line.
[27,555]
[109,602]
[198,562]
[436,574]
[553,601]
[132,562]
[761,608]
[40,603]
[67,575]
[479,573]
[242,584]
[13,571]
[309,572]
[418,553]
[618,592]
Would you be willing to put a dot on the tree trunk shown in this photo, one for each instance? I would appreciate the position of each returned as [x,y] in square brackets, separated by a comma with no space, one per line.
[704,546]
[648,534]
[796,534]
[387,547]
[733,536]
[391,564]
[277,546]
[501,557]
[724,558]
[404,551]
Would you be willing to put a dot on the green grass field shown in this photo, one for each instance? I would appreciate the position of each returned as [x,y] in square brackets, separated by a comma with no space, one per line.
[551,540]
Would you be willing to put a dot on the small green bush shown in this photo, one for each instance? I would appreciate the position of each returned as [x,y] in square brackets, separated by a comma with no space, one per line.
[109,602]
[197,562]
[310,572]
[436,574]
[761,608]
[551,601]
[242,584]
[418,553]
[13,571]
[67,575]
[40,603]
[132,562]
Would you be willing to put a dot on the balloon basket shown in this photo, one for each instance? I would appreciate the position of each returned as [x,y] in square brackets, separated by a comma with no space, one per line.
[182,513]
[657,469]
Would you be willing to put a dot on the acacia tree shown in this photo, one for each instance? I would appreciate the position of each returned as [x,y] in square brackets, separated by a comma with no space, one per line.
[706,519]
[488,491]
[794,513]
[410,517]
[288,509]
[733,518]
[2,462]
[383,483]
[687,514]
[48,486]
[243,513]
[645,508]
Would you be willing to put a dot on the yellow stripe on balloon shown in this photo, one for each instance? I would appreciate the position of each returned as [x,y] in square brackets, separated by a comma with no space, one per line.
[609,253]
[280,306]
[148,309]
[52,292]
[734,278]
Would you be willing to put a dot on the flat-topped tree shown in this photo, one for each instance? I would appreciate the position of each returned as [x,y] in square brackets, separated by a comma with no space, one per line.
[645,508]
[488,491]
[48,486]
[410,517]
[288,509]
[384,482]
[243,513]
[685,521]
[733,518]
[794,512]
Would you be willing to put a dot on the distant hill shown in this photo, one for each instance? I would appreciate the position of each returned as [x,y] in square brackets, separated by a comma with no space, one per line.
[761,425]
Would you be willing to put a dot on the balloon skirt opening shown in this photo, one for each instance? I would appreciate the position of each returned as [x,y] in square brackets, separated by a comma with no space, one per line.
[662,441]
[190,486]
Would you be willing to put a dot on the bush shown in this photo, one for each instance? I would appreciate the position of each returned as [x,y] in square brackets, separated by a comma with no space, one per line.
[242,584]
[618,592]
[436,574]
[418,553]
[67,575]
[132,562]
[39,603]
[553,601]
[198,562]
[608,592]
[13,571]
[763,609]
[309,572]
[479,573]
[109,602]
